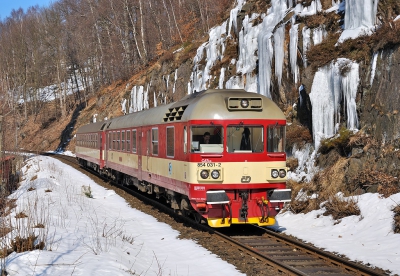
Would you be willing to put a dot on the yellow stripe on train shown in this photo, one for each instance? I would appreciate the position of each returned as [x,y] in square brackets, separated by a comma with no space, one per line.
[219,222]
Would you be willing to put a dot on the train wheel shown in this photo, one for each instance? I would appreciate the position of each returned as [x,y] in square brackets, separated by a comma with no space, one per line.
[198,218]
[185,207]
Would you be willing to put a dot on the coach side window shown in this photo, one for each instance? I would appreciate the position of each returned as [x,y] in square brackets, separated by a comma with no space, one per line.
[154,140]
[109,141]
[185,139]
[115,140]
[134,140]
[123,140]
[170,142]
[118,140]
[128,140]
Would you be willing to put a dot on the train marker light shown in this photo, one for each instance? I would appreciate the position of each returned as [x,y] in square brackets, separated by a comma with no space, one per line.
[274,173]
[215,174]
[204,174]
[244,103]
[282,173]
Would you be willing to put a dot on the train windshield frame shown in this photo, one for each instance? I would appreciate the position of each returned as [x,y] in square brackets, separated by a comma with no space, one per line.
[216,138]
[245,138]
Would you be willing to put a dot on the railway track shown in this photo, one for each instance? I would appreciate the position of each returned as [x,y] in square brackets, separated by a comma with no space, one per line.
[275,253]
[297,258]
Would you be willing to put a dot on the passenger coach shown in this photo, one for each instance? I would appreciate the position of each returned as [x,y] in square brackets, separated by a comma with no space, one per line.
[239,177]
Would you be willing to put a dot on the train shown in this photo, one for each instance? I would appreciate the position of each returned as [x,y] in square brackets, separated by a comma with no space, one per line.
[217,156]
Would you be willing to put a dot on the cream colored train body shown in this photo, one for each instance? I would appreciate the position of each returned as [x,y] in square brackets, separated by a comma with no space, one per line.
[238,177]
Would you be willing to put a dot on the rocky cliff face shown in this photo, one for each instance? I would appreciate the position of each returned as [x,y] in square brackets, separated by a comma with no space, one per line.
[370,160]
[278,48]
[379,101]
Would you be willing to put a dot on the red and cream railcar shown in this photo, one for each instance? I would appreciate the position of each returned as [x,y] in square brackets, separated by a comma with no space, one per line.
[160,151]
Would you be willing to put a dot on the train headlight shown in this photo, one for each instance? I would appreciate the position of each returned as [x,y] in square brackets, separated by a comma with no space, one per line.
[215,174]
[282,173]
[274,173]
[244,103]
[204,174]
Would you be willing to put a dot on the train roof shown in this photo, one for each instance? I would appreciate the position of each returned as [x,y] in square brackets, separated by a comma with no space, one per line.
[204,105]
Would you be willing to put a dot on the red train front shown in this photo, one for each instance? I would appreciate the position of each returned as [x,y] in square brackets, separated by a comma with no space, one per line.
[217,155]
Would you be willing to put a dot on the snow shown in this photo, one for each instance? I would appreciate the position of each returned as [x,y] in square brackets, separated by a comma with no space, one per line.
[103,234]
[96,236]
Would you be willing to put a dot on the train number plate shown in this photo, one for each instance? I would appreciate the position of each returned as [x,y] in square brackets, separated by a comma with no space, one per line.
[209,165]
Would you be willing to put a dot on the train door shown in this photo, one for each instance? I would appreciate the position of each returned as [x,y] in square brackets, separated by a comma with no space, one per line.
[139,152]
[102,148]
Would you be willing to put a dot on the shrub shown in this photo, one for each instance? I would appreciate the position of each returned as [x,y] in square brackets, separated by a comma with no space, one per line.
[339,142]
[20,244]
[340,207]
[297,134]
[396,224]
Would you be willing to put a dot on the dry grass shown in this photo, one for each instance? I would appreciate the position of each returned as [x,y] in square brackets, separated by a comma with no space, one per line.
[19,244]
[329,21]
[292,163]
[387,184]
[21,215]
[396,224]
[325,185]
[297,134]
[339,207]
[6,205]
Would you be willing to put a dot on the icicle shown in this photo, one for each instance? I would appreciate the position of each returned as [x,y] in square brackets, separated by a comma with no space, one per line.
[265,59]
[350,85]
[176,77]
[146,97]
[319,34]
[234,83]
[279,39]
[221,78]
[123,106]
[265,50]
[359,18]
[360,13]
[139,100]
[293,51]
[373,68]
[325,99]
[247,59]
[306,44]
[134,107]
[326,94]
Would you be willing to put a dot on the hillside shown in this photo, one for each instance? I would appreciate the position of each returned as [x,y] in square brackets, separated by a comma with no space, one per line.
[331,68]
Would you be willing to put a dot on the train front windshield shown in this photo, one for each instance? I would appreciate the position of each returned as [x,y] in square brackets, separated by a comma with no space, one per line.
[276,138]
[239,138]
[207,138]
[245,138]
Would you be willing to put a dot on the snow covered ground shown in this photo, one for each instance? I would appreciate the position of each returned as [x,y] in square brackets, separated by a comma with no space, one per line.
[103,235]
